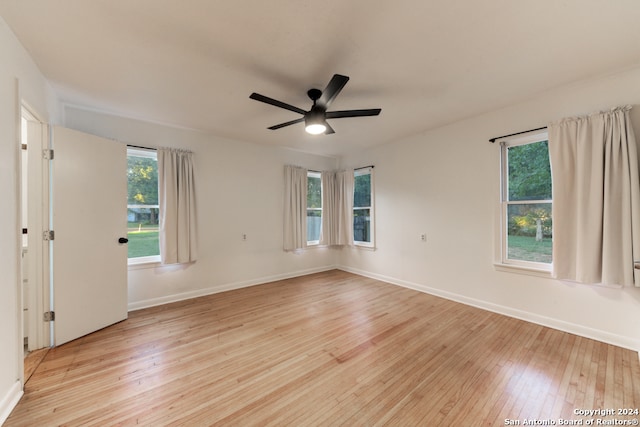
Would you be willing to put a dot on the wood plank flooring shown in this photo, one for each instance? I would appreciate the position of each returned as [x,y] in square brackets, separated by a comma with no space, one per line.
[32,360]
[327,349]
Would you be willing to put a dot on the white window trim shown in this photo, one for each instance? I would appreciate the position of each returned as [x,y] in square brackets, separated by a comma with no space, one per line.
[371,244]
[314,174]
[502,262]
[154,259]
[149,153]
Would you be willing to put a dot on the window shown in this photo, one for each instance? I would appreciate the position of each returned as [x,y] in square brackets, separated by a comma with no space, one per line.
[142,206]
[363,207]
[314,207]
[526,202]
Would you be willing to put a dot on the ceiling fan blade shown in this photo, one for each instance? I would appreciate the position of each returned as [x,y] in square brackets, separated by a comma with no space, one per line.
[332,90]
[329,130]
[281,125]
[352,113]
[276,103]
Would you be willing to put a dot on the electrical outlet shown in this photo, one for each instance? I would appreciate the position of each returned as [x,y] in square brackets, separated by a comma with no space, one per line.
[423,237]
[244,237]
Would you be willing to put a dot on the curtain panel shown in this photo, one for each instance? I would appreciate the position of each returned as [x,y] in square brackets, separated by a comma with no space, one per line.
[177,201]
[337,208]
[295,208]
[596,198]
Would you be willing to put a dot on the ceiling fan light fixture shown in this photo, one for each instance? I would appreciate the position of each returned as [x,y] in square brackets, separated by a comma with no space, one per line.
[314,122]
[315,128]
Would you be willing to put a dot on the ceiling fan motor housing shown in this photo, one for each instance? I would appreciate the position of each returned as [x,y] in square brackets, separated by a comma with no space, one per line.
[314,94]
[315,115]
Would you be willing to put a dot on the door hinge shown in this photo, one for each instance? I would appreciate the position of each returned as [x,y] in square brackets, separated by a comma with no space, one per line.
[47,154]
[48,235]
[49,316]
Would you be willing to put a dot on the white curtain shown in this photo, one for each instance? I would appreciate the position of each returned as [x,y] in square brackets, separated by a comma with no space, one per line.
[295,208]
[176,196]
[596,198]
[337,208]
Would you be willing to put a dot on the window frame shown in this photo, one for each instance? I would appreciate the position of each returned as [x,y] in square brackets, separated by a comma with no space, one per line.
[503,259]
[150,153]
[359,172]
[318,175]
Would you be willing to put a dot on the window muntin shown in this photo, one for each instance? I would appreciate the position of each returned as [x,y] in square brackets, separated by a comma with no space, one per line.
[142,206]
[363,207]
[527,230]
[314,207]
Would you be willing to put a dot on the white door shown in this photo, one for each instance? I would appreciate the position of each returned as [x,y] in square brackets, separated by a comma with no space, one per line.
[38,252]
[89,197]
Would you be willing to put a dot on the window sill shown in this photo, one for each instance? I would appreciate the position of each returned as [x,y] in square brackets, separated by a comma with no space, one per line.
[144,262]
[365,246]
[355,245]
[521,269]
[315,246]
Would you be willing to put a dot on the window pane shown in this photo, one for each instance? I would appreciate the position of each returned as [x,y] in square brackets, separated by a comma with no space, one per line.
[362,191]
[314,222]
[143,232]
[142,204]
[362,225]
[314,192]
[529,172]
[529,232]
[142,175]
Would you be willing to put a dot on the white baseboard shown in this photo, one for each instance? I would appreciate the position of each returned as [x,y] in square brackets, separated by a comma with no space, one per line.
[10,400]
[573,328]
[223,288]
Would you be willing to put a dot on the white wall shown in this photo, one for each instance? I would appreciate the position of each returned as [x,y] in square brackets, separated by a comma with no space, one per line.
[17,69]
[239,191]
[445,183]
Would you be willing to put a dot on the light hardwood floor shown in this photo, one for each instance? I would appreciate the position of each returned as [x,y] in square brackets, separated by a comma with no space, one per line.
[32,360]
[327,349]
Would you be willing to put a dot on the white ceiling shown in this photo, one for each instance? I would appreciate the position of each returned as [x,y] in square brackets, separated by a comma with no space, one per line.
[194,63]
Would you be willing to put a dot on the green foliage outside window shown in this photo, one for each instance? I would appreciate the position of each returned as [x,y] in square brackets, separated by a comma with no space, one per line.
[314,207]
[314,192]
[529,172]
[529,180]
[529,186]
[362,208]
[142,207]
[362,191]
[142,176]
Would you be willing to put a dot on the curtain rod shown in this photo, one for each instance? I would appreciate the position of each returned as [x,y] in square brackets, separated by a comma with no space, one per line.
[141,147]
[517,133]
[356,169]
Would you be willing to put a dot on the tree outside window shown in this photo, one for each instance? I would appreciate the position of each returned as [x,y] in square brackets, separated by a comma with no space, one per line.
[527,202]
[314,207]
[142,204]
[362,207]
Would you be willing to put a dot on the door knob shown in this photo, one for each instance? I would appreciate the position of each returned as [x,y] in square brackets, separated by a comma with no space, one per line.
[123,240]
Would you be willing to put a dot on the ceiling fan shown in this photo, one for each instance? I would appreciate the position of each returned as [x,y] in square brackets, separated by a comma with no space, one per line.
[316,118]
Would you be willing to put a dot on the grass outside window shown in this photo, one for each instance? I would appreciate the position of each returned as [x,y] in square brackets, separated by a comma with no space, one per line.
[526,248]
